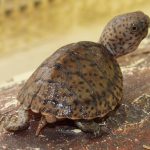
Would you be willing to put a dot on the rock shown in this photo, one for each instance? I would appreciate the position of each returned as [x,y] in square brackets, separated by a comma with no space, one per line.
[127,128]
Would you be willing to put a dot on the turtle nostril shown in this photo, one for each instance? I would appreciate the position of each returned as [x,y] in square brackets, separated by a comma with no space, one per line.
[148,21]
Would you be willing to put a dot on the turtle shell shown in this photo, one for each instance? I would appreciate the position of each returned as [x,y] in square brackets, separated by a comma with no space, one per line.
[79,81]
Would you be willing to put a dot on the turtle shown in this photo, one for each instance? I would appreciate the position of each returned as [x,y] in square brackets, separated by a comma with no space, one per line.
[81,81]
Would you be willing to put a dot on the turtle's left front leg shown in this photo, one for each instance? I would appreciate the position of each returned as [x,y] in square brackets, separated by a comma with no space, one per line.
[17,121]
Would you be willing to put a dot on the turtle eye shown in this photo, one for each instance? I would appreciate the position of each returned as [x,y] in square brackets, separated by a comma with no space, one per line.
[134,28]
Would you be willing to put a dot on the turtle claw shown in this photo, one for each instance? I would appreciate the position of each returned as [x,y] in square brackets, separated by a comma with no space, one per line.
[101,129]
[97,133]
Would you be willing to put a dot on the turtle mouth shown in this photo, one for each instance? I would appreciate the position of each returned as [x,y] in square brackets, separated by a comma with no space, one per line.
[148,21]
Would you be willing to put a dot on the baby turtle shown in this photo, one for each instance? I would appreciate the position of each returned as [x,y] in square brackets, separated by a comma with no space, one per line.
[81,81]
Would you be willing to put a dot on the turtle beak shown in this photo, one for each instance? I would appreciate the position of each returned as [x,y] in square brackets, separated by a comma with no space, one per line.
[149,23]
[148,20]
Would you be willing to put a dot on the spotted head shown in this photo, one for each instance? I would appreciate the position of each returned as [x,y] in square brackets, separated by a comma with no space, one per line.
[124,33]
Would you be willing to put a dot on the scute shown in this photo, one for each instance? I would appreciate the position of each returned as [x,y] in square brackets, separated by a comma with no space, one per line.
[79,81]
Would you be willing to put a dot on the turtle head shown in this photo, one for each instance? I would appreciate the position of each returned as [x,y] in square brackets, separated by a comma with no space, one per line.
[124,33]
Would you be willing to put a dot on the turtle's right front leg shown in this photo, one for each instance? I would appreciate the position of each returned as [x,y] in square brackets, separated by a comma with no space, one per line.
[17,121]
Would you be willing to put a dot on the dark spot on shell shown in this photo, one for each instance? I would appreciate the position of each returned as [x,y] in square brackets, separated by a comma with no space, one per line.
[84,65]
[130,37]
[100,102]
[110,67]
[65,61]
[45,101]
[82,87]
[50,81]
[110,34]
[117,92]
[105,104]
[73,82]
[85,74]
[80,96]
[76,102]
[90,74]
[94,96]
[104,111]
[120,39]
[86,107]
[93,84]
[92,108]
[72,54]
[75,114]
[78,73]
[64,94]
[124,35]
[115,31]
[90,80]
[103,94]
[93,64]
[95,74]
[81,82]
[80,110]
[87,101]
[114,45]
[114,103]
[69,66]
[43,109]
[87,90]
[85,54]
[58,66]
[101,77]
[70,94]
[120,89]
[79,90]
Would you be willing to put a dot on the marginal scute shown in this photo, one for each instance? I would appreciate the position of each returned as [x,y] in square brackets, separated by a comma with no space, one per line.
[79,81]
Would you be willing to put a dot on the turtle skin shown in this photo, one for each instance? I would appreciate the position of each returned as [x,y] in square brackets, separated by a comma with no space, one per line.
[80,81]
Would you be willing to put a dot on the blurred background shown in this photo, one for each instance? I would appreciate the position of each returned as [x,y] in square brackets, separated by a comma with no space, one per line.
[31,30]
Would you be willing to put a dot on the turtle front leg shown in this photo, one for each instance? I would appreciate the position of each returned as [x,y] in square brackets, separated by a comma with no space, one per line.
[89,126]
[17,121]
[43,122]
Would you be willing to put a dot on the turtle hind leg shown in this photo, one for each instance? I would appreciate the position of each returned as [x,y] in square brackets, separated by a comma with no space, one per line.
[17,121]
[41,125]
[89,126]
[43,122]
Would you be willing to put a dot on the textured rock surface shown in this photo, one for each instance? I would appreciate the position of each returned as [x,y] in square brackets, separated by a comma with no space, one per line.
[127,128]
